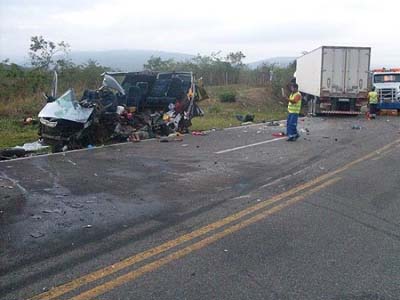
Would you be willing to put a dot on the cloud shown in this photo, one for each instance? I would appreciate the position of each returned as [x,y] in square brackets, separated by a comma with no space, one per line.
[279,32]
[258,28]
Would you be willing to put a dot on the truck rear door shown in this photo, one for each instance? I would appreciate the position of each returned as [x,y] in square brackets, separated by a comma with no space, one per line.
[357,67]
[333,70]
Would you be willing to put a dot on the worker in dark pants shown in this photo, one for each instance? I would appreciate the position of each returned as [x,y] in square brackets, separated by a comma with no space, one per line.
[294,107]
[373,99]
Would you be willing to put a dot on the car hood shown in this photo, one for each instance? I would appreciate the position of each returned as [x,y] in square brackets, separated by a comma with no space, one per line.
[68,108]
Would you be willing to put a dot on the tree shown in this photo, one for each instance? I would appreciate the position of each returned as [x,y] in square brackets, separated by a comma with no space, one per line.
[282,78]
[236,58]
[158,64]
[42,53]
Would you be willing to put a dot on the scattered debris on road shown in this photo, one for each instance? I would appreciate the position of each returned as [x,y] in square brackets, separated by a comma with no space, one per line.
[278,134]
[245,118]
[30,121]
[51,211]
[33,147]
[273,123]
[10,153]
[36,234]
[198,133]
[305,130]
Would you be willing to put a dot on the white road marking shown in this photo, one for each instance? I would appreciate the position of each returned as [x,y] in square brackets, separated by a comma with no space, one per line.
[118,144]
[250,145]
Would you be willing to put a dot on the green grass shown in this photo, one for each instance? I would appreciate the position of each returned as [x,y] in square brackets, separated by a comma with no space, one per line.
[218,121]
[250,100]
[13,133]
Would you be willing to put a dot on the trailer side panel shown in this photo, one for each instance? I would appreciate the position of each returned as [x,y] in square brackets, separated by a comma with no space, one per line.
[308,72]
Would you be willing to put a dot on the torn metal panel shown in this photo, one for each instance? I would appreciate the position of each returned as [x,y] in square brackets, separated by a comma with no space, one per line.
[112,83]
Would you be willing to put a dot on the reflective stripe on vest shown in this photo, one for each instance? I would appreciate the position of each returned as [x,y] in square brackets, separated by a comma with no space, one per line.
[373,97]
[294,108]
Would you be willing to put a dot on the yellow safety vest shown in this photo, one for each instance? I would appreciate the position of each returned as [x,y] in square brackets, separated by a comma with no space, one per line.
[373,97]
[294,108]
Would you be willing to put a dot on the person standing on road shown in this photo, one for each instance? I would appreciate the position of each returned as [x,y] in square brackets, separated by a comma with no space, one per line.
[294,107]
[373,99]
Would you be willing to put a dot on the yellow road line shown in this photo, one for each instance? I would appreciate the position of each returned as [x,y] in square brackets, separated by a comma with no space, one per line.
[76,283]
[106,271]
[383,154]
[112,284]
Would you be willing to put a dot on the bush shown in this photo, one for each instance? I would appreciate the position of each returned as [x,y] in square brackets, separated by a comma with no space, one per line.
[228,96]
[215,109]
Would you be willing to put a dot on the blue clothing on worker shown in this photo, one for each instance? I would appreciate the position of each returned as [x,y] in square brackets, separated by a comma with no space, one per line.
[294,107]
[292,125]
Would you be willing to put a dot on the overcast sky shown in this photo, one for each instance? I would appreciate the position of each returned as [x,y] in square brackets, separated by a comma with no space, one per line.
[261,29]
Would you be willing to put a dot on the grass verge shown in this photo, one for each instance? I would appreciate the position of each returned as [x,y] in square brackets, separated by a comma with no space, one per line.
[249,100]
[13,133]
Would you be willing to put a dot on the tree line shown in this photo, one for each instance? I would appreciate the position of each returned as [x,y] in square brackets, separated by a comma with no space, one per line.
[216,69]
[18,82]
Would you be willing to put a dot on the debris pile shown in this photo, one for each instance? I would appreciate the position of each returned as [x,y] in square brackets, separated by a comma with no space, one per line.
[145,105]
[24,150]
[245,118]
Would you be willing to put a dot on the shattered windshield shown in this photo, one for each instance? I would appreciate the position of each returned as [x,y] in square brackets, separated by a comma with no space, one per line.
[66,107]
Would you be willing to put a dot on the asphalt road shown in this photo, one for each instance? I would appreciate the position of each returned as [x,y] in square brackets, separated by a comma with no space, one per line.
[236,214]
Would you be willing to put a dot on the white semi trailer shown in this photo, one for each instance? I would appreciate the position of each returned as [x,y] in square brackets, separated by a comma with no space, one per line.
[334,80]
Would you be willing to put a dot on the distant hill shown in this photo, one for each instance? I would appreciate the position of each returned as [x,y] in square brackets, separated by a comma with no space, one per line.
[125,60]
[133,60]
[278,61]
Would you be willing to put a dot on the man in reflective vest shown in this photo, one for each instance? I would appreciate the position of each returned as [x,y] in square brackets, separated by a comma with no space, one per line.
[294,108]
[373,103]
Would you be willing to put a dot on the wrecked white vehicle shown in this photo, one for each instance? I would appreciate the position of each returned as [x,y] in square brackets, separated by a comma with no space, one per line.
[146,102]
[64,120]
[68,122]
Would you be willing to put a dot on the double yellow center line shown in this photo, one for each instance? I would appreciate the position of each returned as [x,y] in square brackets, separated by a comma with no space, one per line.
[322,182]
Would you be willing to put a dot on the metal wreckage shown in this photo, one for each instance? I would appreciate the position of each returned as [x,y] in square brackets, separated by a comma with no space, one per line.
[144,105]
